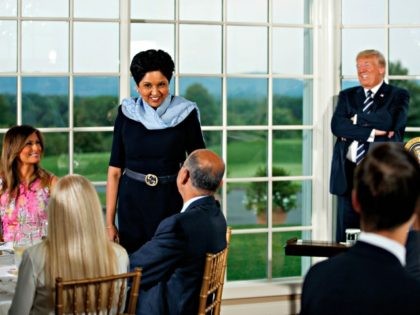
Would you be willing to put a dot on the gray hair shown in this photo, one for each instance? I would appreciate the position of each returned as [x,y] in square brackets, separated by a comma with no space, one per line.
[206,170]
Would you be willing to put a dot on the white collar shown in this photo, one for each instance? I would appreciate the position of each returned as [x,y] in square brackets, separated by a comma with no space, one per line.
[188,202]
[374,89]
[386,243]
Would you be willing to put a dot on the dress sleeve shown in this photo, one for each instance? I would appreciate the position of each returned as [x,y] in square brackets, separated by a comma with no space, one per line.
[25,288]
[195,138]
[117,158]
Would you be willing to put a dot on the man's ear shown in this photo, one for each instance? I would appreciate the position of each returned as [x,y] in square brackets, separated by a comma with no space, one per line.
[220,184]
[355,201]
[184,175]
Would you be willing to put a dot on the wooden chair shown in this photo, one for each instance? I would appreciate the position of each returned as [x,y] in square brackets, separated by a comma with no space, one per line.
[213,280]
[102,295]
[413,146]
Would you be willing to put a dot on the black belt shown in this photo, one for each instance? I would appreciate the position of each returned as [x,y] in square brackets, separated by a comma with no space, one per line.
[149,179]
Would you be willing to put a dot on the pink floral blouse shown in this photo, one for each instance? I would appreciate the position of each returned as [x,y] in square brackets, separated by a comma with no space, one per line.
[28,208]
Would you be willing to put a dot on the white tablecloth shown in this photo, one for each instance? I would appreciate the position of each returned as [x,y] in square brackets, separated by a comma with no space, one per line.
[8,279]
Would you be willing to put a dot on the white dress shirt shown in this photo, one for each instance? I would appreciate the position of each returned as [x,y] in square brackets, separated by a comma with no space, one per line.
[352,151]
[389,245]
[186,204]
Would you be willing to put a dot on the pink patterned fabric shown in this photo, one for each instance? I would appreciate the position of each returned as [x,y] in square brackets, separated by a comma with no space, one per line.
[29,208]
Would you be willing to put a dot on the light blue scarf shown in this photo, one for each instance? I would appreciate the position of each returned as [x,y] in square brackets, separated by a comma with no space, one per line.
[170,113]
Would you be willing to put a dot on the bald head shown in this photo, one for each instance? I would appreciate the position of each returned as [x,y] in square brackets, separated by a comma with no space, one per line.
[206,170]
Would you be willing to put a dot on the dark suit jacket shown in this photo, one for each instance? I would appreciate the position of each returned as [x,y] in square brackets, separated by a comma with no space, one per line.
[413,254]
[173,260]
[389,112]
[366,280]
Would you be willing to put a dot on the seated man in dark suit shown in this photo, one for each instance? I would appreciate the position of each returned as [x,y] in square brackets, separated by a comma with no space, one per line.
[370,278]
[173,260]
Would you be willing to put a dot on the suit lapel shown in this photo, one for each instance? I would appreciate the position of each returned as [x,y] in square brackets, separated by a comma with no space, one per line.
[381,96]
[359,98]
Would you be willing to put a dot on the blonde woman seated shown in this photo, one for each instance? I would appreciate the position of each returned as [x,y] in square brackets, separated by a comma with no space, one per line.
[76,247]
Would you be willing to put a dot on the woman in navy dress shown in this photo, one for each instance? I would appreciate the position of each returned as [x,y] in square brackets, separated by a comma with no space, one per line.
[152,136]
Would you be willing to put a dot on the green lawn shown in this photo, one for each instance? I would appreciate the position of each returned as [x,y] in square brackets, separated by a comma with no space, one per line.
[245,157]
[92,165]
[248,257]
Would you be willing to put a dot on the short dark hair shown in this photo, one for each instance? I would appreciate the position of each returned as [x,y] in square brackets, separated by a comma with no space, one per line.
[151,60]
[387,184]
[205,175]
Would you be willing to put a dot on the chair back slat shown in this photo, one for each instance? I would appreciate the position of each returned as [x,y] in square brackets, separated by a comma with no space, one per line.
[102,295]
[213,280]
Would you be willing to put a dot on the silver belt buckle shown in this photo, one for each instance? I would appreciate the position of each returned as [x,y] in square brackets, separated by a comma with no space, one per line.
[151,179]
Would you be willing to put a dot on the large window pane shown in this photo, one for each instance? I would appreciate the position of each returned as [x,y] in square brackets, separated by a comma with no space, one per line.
[89,9]
[239,214]
[45,8]
[196,55]
[292,151]
[205,10]
[291,202]
[404,51]
[242,265]
[355,40]
[152,36]
[288,11]
[152,9]
[247,101]
[285,266]
[242,56]
[95,101]
[286,199]
[45,46]
[91,154]
[413,87]
[345,84]
[247,10]
[8,44]
[213,140]
[99,55]
[101,190]
[361,12]
[7,101]
[289,59]
[404,11]
[207,93]
[246,152]
[292,102]
[45,101]
[56,155]
[8,7]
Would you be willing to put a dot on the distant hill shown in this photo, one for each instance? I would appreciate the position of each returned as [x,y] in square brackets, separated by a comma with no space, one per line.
[94,86]
[240,87]
[84,86]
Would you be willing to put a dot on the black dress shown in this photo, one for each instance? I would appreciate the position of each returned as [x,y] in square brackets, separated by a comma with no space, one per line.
[161,152]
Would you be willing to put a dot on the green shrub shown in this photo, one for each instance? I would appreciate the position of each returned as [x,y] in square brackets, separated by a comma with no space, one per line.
[284,192]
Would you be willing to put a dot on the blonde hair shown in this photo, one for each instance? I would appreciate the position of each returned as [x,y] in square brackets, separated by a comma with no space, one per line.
[77,245]
[372,53]
[13,143]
